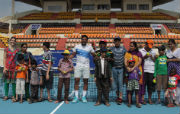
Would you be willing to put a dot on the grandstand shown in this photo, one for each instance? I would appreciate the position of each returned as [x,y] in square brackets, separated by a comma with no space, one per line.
[57,21]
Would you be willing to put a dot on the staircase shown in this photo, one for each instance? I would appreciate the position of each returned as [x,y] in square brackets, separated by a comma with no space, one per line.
[112,28]
[126,43]
[61,45]
[78,28]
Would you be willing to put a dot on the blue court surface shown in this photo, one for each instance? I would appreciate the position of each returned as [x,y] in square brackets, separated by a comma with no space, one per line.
[7,107]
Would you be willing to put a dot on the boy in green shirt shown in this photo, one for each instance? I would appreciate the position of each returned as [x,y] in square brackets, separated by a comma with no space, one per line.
[160,74]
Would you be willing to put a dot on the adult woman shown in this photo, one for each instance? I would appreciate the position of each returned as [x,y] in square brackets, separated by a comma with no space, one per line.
[136,54]
[173,54]
[9,62]
[28,58]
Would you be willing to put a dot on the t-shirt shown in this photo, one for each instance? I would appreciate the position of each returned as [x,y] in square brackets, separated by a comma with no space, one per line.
[173,81]
[161,66]
[34,77]
[83,54]
[65,66]
[118,56]
[149,64]
[134,74]
[23,73]
[47,57]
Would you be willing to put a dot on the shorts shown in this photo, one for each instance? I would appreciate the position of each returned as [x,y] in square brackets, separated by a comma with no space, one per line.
[81,71]
[20,86]
[161,82]
[133,85]
[46,83]
[148,78]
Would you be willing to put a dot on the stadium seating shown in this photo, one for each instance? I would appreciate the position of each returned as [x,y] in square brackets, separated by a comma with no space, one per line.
[137,28]
[38,16]
[174,28]
[88,16]
[4,41]
[37,40]
[57,30]
[130,16]
[65,16]
[155,16]
[74,39]
[158,39]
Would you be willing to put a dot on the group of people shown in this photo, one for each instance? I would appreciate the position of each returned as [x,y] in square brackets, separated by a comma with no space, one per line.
[137,68]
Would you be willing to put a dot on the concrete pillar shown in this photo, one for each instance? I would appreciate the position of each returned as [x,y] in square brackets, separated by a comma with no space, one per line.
[13,9]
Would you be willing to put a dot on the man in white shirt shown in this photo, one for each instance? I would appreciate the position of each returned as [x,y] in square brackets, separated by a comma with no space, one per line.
[149,56]
[82,68]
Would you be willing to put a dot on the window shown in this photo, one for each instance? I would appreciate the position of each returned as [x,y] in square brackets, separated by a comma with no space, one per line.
[88,7]
[103,7]
[144,7]
[131,7]
[54,8]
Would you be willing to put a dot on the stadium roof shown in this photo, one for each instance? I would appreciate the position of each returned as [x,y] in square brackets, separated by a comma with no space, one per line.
[77,3]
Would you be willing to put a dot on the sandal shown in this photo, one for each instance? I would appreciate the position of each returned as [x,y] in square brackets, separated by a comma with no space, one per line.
[56,102]
[5,98]
[50,100]
[143,102]
[14,100]
[67,102]
[97,104]
[150,102]
[129,105]
[138,105]
[40,99]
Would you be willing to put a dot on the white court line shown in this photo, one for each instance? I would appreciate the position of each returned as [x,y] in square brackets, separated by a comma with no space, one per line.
[57,107]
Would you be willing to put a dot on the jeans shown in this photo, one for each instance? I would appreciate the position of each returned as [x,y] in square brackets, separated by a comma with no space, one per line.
[117,74]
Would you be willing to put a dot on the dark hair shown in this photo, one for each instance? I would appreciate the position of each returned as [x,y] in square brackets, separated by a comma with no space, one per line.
[135,45]
[33,62]
[84,36]
[20,57]
[12,38]
[173,70]
[46,44]
[172,41]
[117,39]
[23,44]
[162,48]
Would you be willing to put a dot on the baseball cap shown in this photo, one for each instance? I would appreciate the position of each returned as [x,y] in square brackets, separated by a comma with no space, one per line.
[103,41]
[150,43]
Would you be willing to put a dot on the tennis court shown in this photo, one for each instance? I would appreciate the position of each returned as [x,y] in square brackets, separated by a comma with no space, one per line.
[7,107]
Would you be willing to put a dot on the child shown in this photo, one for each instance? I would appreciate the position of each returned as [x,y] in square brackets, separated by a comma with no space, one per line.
[65,67]
[133,82]
[21,77]
[160,73]
[170,93]
[34,81]
[46,73]
[102,77]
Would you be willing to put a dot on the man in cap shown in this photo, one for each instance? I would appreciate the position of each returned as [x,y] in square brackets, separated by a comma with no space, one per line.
[103,46]
[118,68]
[149,56]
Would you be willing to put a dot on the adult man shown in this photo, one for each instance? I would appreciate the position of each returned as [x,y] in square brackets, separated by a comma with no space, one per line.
[82,68]
[103,46]
[118,67]
[149,63]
